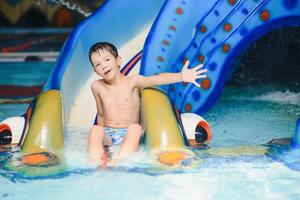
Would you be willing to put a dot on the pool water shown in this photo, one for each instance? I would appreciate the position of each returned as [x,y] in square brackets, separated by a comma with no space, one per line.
[235,166]
[24,73]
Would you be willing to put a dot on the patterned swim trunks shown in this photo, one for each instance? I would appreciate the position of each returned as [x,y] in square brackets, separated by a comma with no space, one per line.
[116,135]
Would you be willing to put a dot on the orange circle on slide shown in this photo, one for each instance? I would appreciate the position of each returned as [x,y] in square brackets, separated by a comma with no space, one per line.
[171,157]
[205,84]
[35,159]
[264,15]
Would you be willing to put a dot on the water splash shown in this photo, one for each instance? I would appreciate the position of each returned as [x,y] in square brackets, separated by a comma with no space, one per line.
[268,93]
[279,96]
[71,6]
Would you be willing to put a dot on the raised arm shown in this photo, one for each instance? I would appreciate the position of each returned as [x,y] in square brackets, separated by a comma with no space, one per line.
[95,89]
[186,75]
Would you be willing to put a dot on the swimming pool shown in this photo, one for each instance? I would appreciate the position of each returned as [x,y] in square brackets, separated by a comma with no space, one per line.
[235,166]
[24,73]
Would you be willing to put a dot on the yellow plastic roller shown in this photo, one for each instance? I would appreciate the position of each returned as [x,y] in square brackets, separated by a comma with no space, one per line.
[45,131]
[159,119]
[163,134]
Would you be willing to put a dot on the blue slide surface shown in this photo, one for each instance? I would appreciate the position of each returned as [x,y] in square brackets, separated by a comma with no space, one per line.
[212,32]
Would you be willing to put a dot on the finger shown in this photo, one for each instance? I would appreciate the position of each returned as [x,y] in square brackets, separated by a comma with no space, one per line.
[201,76]
[186,64]
[196,84]
[201,71]
[197,67]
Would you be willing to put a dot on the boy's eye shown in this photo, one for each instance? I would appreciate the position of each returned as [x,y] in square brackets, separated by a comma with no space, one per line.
[107,59]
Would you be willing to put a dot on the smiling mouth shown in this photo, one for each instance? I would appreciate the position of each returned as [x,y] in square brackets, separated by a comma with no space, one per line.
[107,72]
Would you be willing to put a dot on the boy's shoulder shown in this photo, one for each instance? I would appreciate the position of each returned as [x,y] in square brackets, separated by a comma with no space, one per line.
[97,83]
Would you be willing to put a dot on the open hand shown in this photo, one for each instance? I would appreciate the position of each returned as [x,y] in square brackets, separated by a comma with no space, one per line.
[191,75]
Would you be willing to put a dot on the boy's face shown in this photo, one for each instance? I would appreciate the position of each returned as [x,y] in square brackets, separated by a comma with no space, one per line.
[105,64]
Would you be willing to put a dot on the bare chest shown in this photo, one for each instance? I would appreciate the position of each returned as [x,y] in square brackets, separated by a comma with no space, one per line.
[122,97]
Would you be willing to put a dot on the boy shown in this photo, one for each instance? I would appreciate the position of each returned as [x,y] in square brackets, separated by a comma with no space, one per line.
[118,101]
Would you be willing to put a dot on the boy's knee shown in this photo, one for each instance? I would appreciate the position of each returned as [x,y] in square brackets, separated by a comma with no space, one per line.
[135,129]
[97,131]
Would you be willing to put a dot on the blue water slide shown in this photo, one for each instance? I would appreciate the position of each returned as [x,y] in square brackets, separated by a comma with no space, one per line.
[214,33]
[115,21]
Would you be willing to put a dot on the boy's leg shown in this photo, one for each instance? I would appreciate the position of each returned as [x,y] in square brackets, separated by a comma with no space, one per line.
[131,141]
[95,146]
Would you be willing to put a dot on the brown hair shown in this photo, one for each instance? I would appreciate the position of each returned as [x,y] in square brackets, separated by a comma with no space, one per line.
[100,46]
